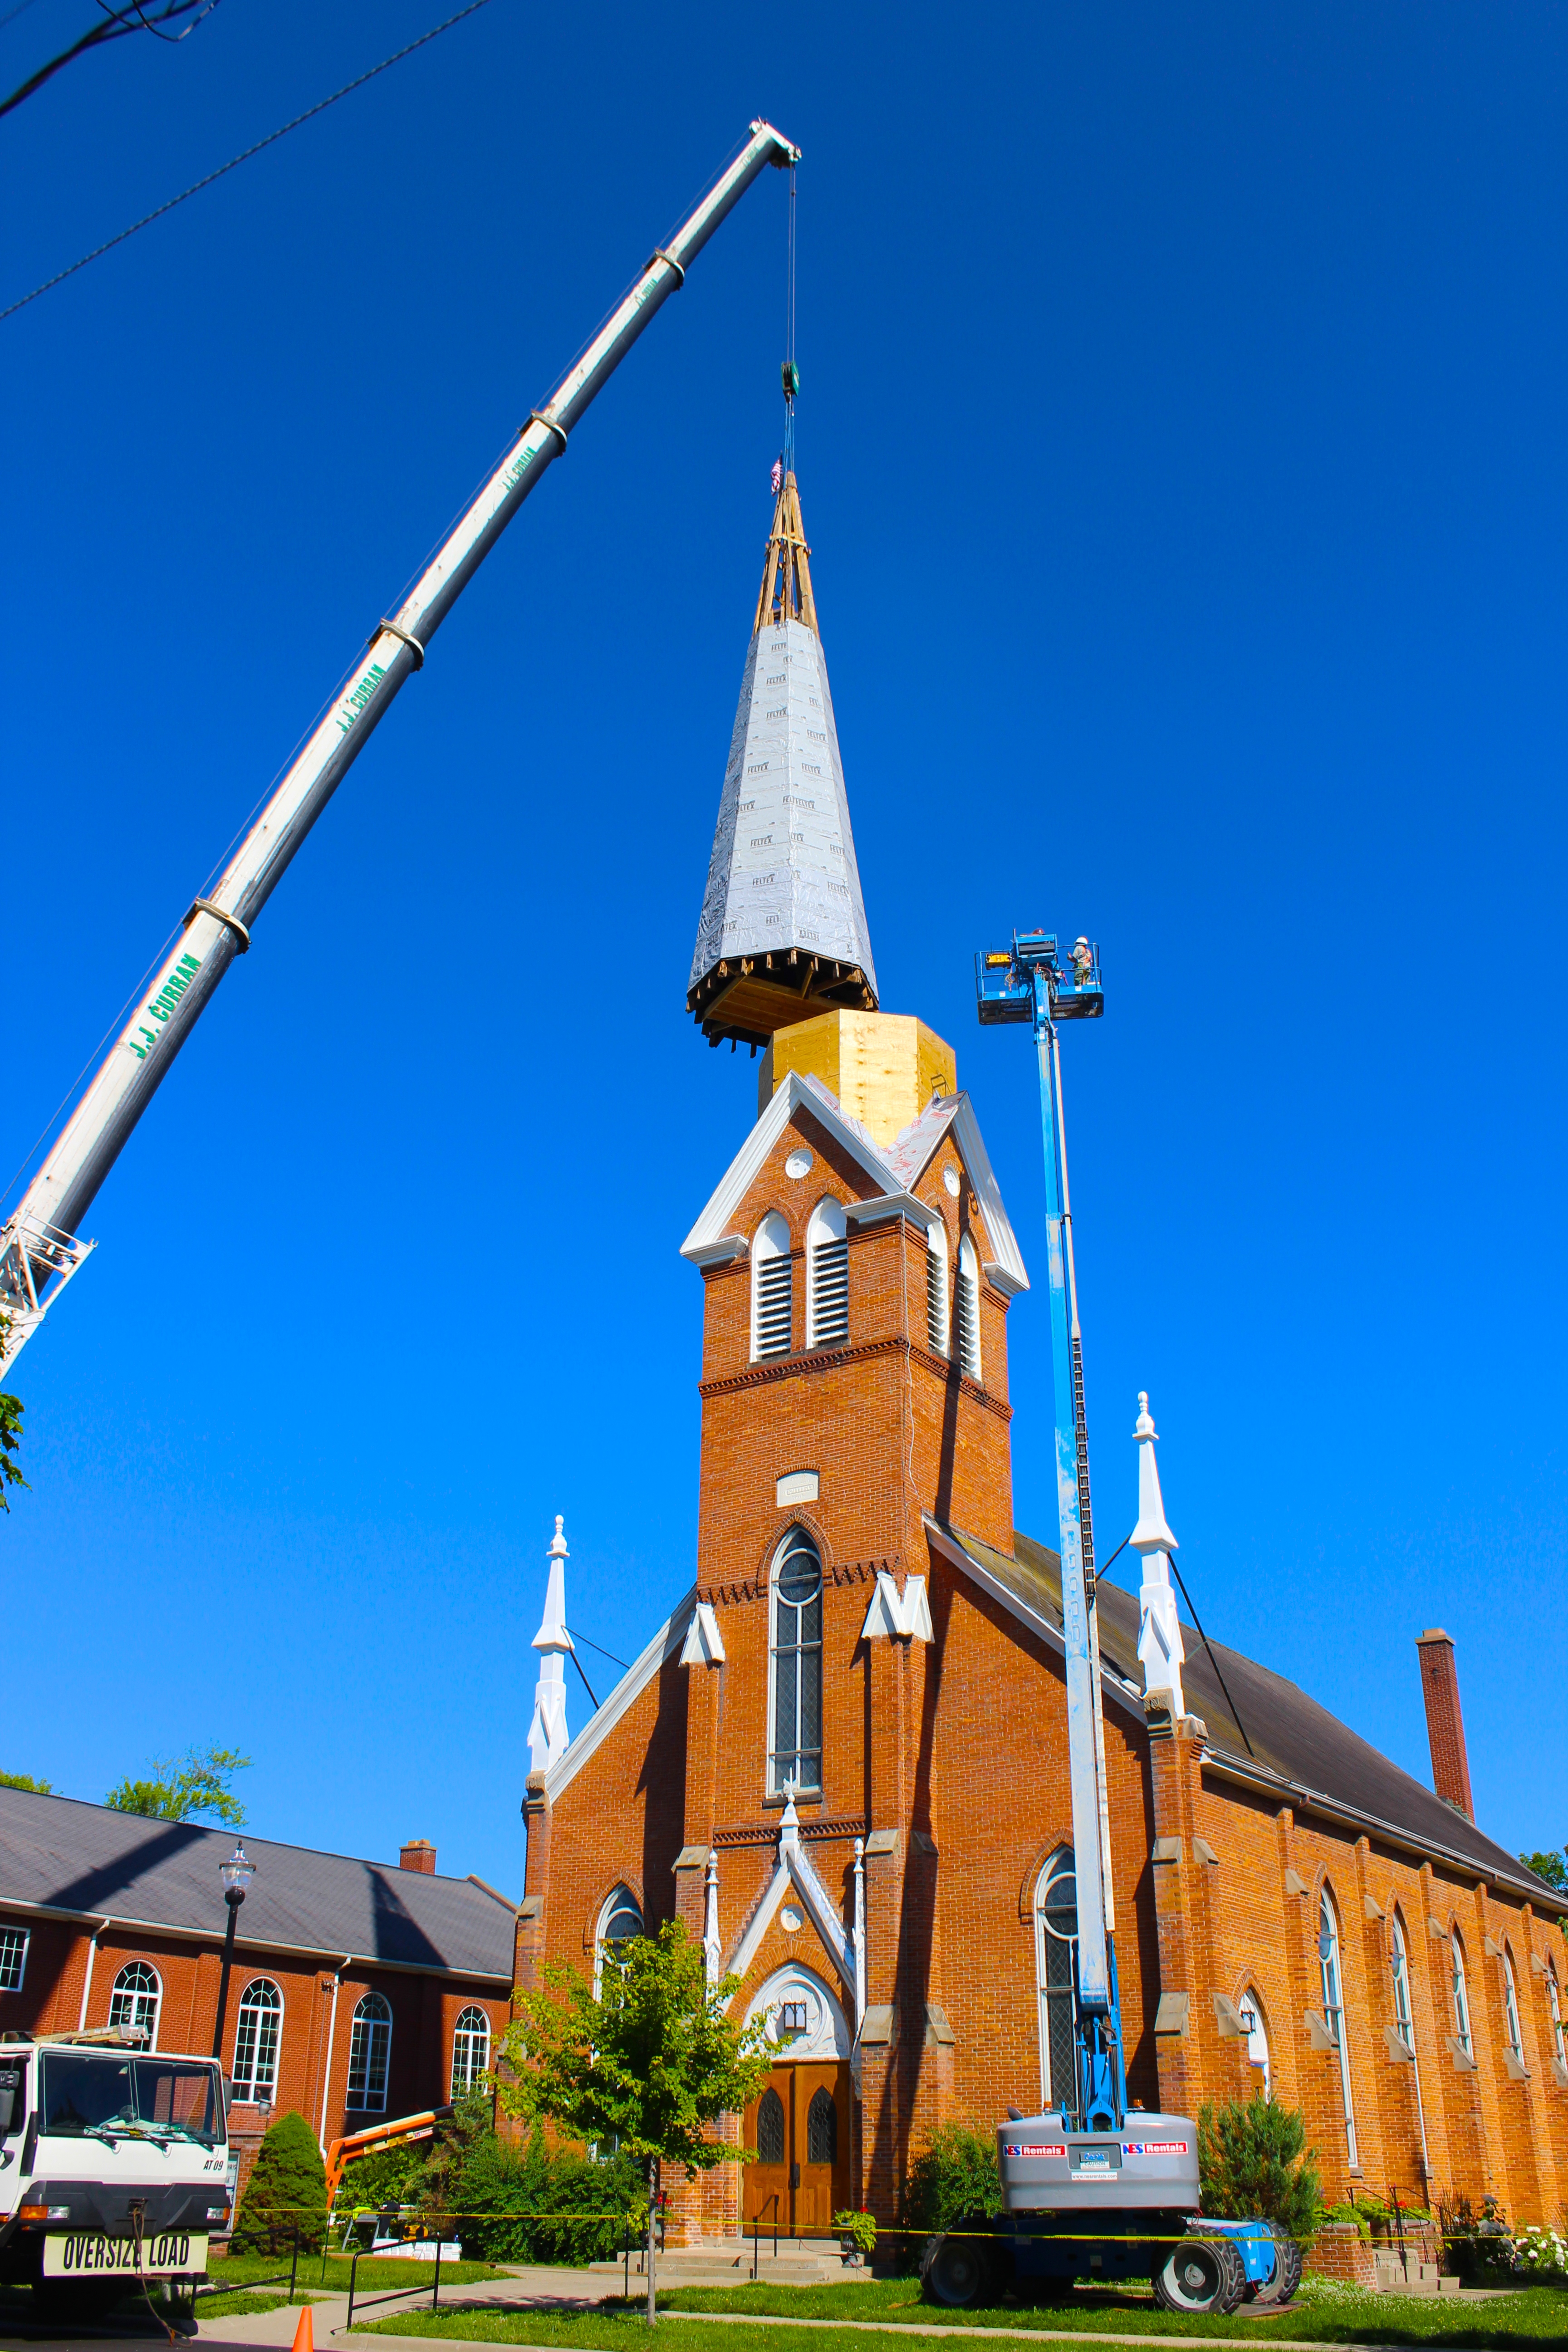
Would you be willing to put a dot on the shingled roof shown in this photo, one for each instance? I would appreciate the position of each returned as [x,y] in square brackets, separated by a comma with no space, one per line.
[1301,1754]
[88,1861]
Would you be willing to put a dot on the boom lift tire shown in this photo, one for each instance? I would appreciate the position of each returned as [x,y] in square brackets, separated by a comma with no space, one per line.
[1201,2274]
[960,2267]
[1287,2275]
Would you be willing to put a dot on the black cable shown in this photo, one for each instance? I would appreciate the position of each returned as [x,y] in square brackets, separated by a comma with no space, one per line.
[113,30]
[587,1685]
[1235,1711]
[604,1654]
[243,157]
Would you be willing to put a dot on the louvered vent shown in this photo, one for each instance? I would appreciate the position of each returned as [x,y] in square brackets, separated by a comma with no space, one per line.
[936,1299]
[830,1293]
[966,1315]
[774,1287]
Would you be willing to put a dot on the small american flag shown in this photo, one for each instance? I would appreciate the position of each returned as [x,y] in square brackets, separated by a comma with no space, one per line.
[777,478]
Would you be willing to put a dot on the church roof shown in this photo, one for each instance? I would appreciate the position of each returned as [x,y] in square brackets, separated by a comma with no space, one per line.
[65,1858]
[1301,1755]
[782,933]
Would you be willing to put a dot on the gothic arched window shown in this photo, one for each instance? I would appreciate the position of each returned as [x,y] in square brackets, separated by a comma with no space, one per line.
[1459,1988]
[470,2050]
[773,1278]
[135,1999]
[370,2054]
[827,1277]
[1511,2008]
[620,1920]
[966,1309]
[256,2041]
[770,2127]
[796,1751]
[936,1288]
[1055,1941]
[1334,2006]
[822,2128]
[1258,2041]
[1559,2045]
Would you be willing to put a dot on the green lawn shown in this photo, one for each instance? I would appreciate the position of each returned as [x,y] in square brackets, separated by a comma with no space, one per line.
[1537,2314]
[329,2275]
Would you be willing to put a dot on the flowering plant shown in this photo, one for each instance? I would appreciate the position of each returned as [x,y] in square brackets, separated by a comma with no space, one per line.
[1540,2250]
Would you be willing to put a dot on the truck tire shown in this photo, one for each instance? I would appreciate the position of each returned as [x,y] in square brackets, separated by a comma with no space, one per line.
[1200,2274]
[1287,2275]
[957,2269]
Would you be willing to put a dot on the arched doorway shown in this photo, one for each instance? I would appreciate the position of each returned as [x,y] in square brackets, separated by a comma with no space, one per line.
[800,2120]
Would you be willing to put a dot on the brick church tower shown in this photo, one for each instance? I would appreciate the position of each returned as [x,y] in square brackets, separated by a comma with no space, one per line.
[842,1759]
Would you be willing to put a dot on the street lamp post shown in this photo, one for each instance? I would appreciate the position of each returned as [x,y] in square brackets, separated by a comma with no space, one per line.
[236,1874]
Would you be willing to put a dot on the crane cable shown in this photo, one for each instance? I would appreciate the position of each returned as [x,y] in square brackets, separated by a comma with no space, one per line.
[243,157]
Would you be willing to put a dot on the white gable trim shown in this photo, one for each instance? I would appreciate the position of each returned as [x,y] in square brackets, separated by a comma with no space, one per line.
[1120,1693]
[632,1684]
[795,1094]
[1006,1270]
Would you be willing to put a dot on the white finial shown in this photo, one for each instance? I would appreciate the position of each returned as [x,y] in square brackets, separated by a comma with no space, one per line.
[789,1819]
[712,1951]
[547,1733]
[1160,1646]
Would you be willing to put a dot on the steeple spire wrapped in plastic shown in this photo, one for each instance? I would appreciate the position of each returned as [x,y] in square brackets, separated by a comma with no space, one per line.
[783,935]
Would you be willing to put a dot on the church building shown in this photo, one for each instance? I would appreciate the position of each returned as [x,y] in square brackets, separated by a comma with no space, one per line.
[842,1759]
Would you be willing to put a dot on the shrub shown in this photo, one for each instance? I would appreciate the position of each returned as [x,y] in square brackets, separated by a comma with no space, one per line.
[286,2188]
[388,2176]
[540,2204]
[1253,2158]
[955,2175]
[1543,2253]
[855,2222]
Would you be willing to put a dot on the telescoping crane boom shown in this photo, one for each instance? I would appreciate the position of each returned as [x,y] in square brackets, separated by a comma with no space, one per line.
[1089,2188]
[41,1247]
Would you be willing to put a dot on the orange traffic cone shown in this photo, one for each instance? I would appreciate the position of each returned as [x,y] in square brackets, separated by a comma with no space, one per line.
[305,2333]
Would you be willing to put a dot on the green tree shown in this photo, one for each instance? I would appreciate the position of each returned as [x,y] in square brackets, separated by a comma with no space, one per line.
[1552,1867]
[649,2066]
[184,1787]
[26,1781]
[11,1411]
[956,2173]
[1253,2158]
[288,2190]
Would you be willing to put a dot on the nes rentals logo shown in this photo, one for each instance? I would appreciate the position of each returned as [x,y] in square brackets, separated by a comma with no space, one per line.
[159,1007]
[1032,2148]
[1155,2147]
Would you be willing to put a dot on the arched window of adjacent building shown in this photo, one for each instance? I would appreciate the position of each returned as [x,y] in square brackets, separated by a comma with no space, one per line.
[1334,2007]
[135,1999]
[936,1288]
[1555,2003]
[1056,1938]
[966,1309]
[770,2127]
[620,1919]
[773,1281]
[1256,2041]
[1459,1986]
[1511,2008]
[1399,1961]
[470,2050]
[796,1754]
[822,2127]
[827,1277]
[256,2040]
[370,2054]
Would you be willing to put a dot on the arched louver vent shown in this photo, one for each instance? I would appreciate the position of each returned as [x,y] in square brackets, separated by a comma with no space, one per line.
[966,1309]
[828,1277]
[936,1288]
[772,1285]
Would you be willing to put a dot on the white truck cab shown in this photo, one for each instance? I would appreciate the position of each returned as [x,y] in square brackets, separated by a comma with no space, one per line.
[114,2161]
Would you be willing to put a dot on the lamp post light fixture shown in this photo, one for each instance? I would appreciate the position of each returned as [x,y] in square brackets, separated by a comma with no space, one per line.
[236,1874]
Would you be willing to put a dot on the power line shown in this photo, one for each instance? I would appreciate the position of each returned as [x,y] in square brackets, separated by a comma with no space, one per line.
[121,21]
[243,157]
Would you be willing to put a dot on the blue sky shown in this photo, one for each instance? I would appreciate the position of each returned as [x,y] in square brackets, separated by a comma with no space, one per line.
[1181,449]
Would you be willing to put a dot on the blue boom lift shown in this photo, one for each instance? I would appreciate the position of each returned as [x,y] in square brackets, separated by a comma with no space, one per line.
[1089,2189]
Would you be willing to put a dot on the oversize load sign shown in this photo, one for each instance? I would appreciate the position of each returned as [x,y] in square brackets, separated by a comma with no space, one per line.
[88,2254]
[1155,2147]
[1031,2148]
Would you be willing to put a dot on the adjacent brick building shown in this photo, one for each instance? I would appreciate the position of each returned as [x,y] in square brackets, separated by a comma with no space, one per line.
[359,1989]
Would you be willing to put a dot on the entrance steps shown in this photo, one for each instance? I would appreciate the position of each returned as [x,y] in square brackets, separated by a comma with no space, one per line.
[727,2262]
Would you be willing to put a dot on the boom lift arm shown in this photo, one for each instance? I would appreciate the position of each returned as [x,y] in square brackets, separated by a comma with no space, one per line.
[39,1247]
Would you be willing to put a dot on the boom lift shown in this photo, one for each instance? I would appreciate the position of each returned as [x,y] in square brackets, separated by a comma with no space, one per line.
[41,1246]
[1089,2190]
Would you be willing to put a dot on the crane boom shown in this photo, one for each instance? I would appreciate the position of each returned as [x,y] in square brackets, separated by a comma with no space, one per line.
[39,1246]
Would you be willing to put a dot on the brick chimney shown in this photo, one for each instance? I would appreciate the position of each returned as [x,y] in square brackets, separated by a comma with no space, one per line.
[420,1854]
[1445,1724]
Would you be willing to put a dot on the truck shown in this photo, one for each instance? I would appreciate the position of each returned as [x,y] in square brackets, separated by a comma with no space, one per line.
[114,2166]
[1093,2189]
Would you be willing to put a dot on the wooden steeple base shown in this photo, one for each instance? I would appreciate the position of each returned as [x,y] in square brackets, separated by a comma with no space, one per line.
[747,998]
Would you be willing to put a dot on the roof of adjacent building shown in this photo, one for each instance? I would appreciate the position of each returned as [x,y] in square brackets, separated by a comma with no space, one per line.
[89,1861]
[1300,1754]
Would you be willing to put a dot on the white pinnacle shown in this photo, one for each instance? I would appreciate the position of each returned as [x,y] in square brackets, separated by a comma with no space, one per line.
[547,1733]
[1160,1648]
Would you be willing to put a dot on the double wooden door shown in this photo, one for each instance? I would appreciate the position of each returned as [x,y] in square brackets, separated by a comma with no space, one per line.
[799,2126]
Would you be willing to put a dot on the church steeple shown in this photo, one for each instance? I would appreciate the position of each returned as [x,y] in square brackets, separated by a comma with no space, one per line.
[783,935]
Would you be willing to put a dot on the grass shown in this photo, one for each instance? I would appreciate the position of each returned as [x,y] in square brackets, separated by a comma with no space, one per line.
[1344,2316]
[330,2275]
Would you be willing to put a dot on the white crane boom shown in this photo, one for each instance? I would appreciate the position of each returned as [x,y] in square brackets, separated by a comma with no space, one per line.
[39,1248]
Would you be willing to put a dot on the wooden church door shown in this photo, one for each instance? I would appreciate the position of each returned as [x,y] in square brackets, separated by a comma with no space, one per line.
[800,2128]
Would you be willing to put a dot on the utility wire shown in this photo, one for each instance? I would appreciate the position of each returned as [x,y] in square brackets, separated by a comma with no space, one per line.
[604,1654]
[20,9]
[244,157]
[120,22]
